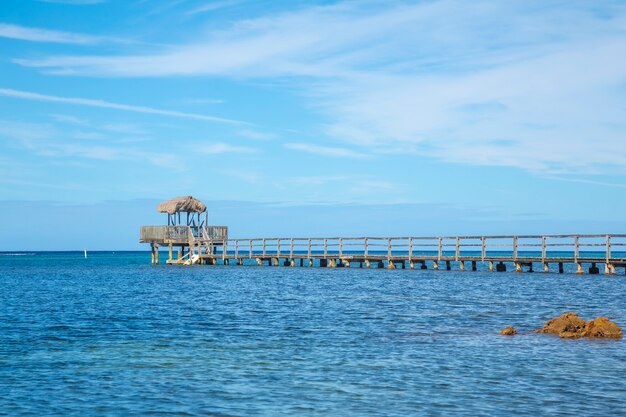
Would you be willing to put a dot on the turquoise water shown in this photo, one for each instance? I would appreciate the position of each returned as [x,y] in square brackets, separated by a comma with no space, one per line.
[113,335]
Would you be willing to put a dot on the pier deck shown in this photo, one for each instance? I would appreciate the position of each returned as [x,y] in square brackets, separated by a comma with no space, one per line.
[463,252]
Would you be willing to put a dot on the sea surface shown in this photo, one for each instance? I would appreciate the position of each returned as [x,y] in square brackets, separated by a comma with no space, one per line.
[114,335]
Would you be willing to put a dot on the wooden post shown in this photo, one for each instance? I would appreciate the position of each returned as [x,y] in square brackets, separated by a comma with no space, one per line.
[309,250]
[264,245]
[544,249]
[250,256]
[366,249]
[170,252]
[608,249]
[461,265]
[515,249]
[576,252]
[546,267]
[579,268]
[411,252]
[152,253]
[388,249]
[340,247]
[490,266]
[291,248]
[325,248]
[225,250]
[278,248]
[440,249]
[457,252]
[483,253]
[236,248]
[518,267]
[390,264]
[436,265]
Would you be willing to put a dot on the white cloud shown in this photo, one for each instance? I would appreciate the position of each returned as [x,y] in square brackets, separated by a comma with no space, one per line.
[212,6]
[25,95]
[486,83]
[326,150]
[44,35]
[219,148]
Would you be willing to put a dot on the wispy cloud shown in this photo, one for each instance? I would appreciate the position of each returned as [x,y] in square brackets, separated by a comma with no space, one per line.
[44,35]
[44,140]
[22,131]
[255,134]
[203,101]
[26,95]
[472,87]
[326,150]
[212,6]
[219,148]
[70,119]
[74,2]
[588,182]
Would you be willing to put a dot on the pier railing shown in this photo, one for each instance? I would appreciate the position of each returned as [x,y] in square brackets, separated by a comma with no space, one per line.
[181,234]
[534,248]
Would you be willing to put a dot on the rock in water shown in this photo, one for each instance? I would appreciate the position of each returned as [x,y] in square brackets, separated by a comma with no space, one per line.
[508,331]
[569,325]
[602,328]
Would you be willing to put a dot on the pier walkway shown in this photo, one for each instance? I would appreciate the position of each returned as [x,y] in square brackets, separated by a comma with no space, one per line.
[211,246]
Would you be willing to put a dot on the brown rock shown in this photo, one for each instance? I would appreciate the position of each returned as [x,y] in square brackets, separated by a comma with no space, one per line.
[602,328]
[508,331]
[568,325]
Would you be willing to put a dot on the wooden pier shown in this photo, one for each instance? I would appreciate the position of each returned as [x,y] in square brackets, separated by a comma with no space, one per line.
[210,245]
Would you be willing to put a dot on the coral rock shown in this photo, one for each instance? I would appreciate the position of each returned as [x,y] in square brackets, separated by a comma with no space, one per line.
[568,325]
[508,331]
[602,328]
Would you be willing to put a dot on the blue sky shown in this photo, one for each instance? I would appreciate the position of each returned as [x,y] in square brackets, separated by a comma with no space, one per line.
[368,117]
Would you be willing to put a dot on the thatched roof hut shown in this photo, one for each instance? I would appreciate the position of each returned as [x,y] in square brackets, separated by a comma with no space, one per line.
[186,204]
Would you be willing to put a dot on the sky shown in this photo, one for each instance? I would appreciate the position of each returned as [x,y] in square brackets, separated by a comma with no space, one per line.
[310,118]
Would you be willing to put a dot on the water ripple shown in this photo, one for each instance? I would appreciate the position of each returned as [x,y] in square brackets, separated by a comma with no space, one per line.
[113,335]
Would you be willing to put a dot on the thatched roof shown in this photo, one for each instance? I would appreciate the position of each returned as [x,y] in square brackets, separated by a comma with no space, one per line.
[186,204]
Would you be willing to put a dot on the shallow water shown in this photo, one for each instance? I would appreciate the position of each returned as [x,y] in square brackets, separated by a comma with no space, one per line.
[114,335]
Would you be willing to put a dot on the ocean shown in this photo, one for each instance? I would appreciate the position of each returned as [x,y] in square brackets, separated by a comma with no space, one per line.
[114,335]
